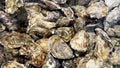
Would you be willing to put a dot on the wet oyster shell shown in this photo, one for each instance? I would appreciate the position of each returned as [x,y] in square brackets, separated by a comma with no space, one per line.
[59,49]
[92,10]
[80,41]
[12,64]
[66,33]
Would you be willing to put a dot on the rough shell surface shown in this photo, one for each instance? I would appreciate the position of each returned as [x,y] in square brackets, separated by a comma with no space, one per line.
[59,49]
[92,10]
[80,41]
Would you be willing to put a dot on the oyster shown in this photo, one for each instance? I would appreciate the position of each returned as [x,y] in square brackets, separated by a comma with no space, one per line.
[43,43]
[79,24]
[60,1]
[36,32]
[82,2]
[103,46]
[112,18]
[3,55]
[12,64]
[64,21]
[59,49]
[14,39]
[111,4]
[51,62]
[13,5]
[92,10]
[52,5]
[8,21]
[93,63]
[2,27]
[102,49]
[80,11]
[114,58]
[66,33]
[115,41]
[114,31]
[80,41]
[68,11]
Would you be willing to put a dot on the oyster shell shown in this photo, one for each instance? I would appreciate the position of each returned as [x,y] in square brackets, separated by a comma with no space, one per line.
[51,62]
[12,64]
[2,27]
[3,55]
[14,39]
[114,58]
[80,11]
[43,43]
[111,4]
[80,41]
[112,18]
[52,5]
[92,10]
[68,11]
[8,21]
[93,63]
[59,49]
[64,21]
[82,2]
[66,33]
[60,1]
[13,5]
[79,24]
[102,49]
[114,31]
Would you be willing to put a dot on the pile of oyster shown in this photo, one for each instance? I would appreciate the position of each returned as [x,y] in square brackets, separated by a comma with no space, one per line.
[59,34]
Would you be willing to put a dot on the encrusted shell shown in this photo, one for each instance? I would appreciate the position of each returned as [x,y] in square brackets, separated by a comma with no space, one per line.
[92,10]
[66,33]
[13,5]
[80,41]
[68,12]
[50,62]
[43,43]
[12,64]
[59,49]
[80,11]
[79,24]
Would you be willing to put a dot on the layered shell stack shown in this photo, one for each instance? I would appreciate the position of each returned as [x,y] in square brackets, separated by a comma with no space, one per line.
[59,34]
